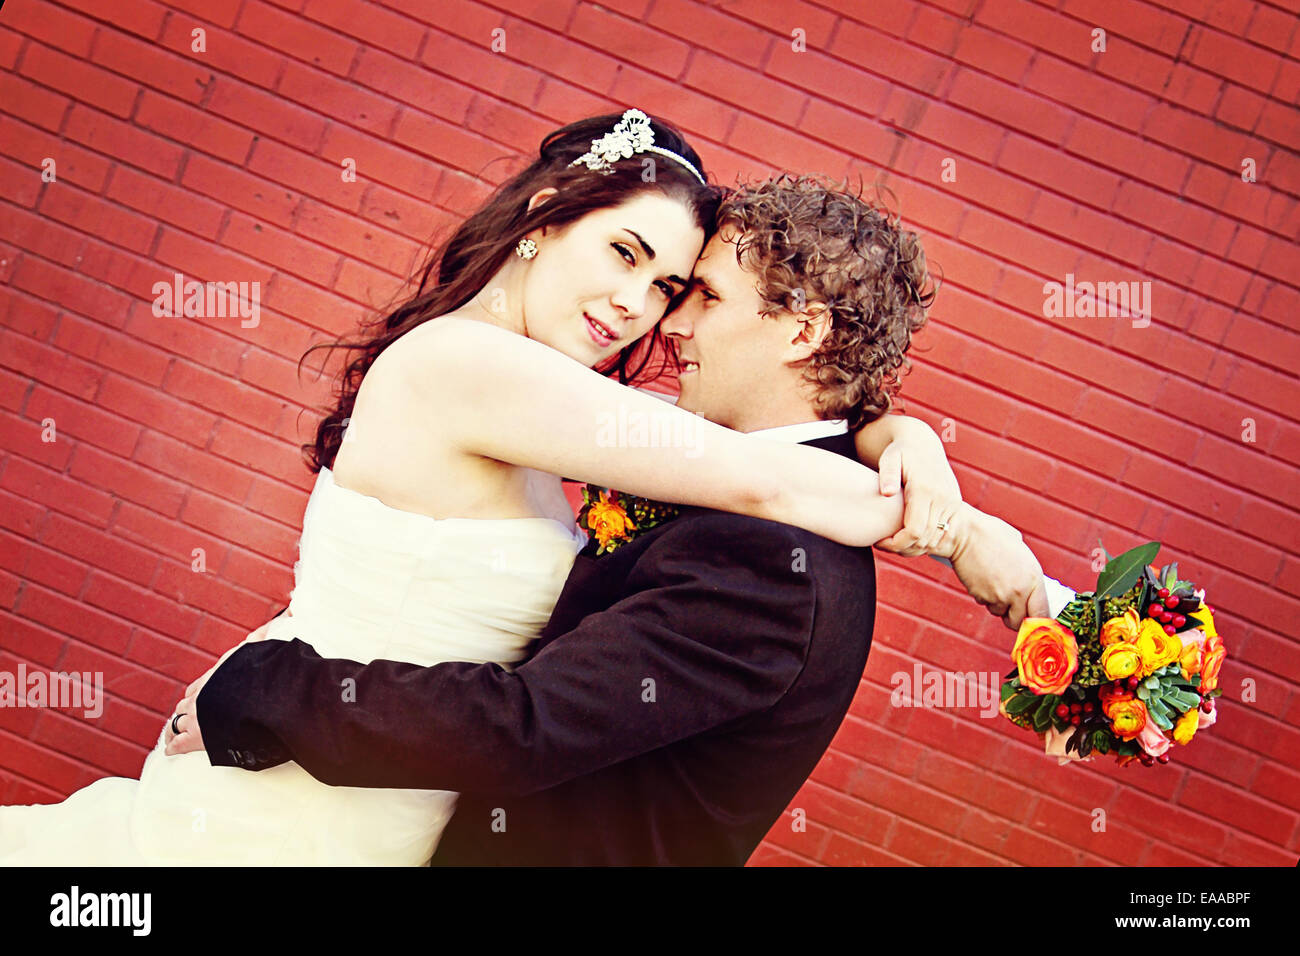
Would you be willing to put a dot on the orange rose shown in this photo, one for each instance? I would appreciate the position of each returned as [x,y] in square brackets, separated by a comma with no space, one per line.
[1214,653]
[1046,654]
[608,520]
[1190,660]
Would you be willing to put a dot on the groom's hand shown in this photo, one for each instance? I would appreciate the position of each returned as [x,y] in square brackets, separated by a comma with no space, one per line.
[997,569]
[915,462]
[190,736]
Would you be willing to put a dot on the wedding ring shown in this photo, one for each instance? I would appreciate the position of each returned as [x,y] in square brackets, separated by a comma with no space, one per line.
[175,729]
[942,525]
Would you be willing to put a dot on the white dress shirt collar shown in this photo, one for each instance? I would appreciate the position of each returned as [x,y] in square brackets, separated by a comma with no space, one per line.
[804,431]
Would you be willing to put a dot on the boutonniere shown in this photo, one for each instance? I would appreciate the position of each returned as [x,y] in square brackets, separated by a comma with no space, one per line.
[614,518]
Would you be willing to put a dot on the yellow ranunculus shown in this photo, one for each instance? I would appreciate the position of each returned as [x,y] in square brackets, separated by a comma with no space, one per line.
[1120,660]
[1203,615]
[1185,727]
[1127,718]
[1190,659]
[1123,629]
[608,520]
[1157,647]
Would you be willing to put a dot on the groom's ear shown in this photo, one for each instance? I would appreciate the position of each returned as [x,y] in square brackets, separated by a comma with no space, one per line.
[811,326]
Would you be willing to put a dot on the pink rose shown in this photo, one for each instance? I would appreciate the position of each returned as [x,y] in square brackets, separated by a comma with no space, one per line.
[1152,739]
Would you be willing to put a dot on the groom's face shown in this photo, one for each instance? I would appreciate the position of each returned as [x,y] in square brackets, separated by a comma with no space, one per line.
[729,351]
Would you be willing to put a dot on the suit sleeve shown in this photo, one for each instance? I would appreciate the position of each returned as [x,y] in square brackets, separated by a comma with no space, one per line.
[713,626]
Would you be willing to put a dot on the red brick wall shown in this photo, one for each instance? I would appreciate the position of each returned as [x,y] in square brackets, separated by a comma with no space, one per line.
[1122,165]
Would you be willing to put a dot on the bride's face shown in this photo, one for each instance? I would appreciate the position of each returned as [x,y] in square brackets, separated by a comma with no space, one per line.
[601,282]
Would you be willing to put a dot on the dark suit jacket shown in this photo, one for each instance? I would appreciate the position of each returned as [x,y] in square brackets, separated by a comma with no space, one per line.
[686,685]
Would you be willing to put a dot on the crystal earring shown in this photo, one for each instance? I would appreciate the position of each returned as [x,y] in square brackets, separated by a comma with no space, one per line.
[526,249]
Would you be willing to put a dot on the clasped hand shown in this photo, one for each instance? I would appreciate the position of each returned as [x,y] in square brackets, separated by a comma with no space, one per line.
[989,556]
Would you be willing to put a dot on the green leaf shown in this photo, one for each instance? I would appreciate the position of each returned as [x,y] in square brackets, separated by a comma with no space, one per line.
[1008,689]
[1020,704]
[1121,572]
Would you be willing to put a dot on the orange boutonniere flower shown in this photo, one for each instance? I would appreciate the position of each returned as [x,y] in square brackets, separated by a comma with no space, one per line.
[614,519]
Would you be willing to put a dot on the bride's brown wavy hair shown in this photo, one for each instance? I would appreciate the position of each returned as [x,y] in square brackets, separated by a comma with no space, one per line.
[457,269]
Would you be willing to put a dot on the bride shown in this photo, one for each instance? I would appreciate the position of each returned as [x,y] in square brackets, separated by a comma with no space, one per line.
[420,544]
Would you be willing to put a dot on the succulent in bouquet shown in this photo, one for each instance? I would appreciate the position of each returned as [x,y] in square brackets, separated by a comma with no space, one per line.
[1130,668]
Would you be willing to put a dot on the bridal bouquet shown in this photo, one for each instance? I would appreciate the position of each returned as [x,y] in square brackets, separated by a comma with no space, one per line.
[1126,669]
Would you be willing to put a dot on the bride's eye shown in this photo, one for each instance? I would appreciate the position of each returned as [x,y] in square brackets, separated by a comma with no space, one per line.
[626,252]
[665,288]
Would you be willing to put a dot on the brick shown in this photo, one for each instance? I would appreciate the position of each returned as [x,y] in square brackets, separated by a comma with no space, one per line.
[339,99]
[907,65]
[78,419]
[265,114]
[195,128]
[123,142]
[1232,58]
[216,516]
[193,466]
[75,618]
[185,77]
[728,36]
[298,37]
[32,147]
[993,53]
[368,22]
[630,41]
[126,480]
[32,103]
[79,79]
[105,550]
[111,351]
[204,591]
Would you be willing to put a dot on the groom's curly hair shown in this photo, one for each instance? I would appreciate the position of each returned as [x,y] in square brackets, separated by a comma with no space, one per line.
[810,241]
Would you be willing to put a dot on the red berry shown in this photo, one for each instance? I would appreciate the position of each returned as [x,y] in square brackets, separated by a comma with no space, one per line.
[1163,758]
[1088,707]
[1076,720]
[1063,710]
[1076,709]
[1170,629]
[1179,620]
[1147,760]
[1155,610]
[1210,609]
[1163,592]
[1171,601]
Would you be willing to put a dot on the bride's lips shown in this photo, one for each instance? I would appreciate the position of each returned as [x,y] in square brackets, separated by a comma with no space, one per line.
[601,334]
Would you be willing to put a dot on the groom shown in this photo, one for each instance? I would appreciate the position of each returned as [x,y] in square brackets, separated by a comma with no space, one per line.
[688,681]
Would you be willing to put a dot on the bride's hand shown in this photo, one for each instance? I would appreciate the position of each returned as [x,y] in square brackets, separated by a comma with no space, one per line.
[916,462]
[190,737]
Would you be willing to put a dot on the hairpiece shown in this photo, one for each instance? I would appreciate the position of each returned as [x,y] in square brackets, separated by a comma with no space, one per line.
[631,135]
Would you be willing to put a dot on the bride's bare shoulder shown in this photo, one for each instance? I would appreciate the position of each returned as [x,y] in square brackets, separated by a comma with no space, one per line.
[446,343]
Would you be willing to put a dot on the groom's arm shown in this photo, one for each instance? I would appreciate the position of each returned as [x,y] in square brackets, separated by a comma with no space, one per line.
[713,626]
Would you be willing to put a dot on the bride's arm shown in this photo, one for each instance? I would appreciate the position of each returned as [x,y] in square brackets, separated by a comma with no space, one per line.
[522,402]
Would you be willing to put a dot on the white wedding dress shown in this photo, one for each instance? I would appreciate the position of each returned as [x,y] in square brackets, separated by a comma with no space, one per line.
[371,582]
